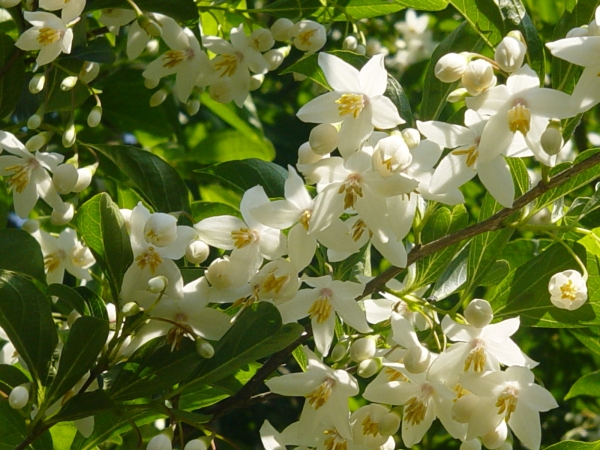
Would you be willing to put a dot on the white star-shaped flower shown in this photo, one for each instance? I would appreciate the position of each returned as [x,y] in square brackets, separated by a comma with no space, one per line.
[49,35]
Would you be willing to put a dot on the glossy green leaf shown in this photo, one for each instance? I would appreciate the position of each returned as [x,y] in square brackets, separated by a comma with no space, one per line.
[462,39]
[441,223]
[154,179]
[63,435]
[154,368]
[85,404]
[397,95]
[535,47]
[202,210]
[59,100]
[484,17]
[11,377]
[180,10]
[454,277]
[85,340]
[26,317]
[13,429]
[96,305]
[227,145]
[30,261]
[4,206]
[201,396]
[362,9]
[590,337]
[575,445]
[70,297]
[498,272]
[12,75]
[588,385]
[245,174]
[292,9]
[99,50]
[102,228]
[520,175]
[256,333]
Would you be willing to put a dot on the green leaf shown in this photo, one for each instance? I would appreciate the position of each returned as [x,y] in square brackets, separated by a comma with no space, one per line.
[26,317]
[12,75]
[59,100]
[94,302]
[498,272]
[10,378]
[441,223]
[63,435]
[257,332]
[292,9]
[397,95]
[520,175]
[180,10]
[590,337]
[535,48]
[462,39]
[587,385]
[154,179]
[154,368]
[85,404]
[484,17]
[245,174]
[525,293]
[202,210]
[583,178]
[575,445]
[102,228]
[99,50]
[4,202]
[30,261]
[363,9]
[201,396]
[12,427]
[453,278]
[70,297]
[85,341]
[227,145]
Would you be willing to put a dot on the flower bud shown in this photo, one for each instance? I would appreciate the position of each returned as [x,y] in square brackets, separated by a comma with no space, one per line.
[65,178]
[577,32]
[276,56]
[495,438]
[89,71]
[34,121]
[391,155]
[84,177]
[157,284]
[160,229]
[451,67]
[568,289]
[63,216]
[464,407]
[389,424]
[158,97]
[479,313]
[130,309]
[36,84]
[261,39]
[31,225]
[9,3]
[196,444]
[323,139]
[339,351]
[363,348]
[473,444]
[368,367]
[256,81]
[68,83]
[411,137]
[197,252]
[361,49]
[69,136]
[218,273]
[457,95]
[149,26]
[282,29]
[204,348]
[551,140]
[36,142]
[309,36]
[192,106]
[350,43]
[417,359]
[478,76]
[160,442]
[95,116]
[306,155]
[151,83]
[18,397]
[511,52]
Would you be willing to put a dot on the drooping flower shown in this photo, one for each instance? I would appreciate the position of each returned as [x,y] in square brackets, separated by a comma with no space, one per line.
[568,289]
[69,9]
[49,35]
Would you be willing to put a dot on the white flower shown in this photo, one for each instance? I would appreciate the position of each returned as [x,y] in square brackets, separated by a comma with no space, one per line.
[49,35]
[568,289]
[115,18]
[356,100]
[70,9]
[309,36]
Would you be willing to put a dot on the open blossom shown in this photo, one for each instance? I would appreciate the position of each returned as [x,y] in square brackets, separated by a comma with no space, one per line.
[70,9]
[568,289]
[49,35]
[357,101]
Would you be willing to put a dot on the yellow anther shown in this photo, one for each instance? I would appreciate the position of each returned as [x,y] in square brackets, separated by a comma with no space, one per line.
[53,260]
[275,284]
[21,177]
[352,188]
[321,394]
[321,309]
[414,411]
[305,219]
[472,154]
[226,64]
[476,357]
[335,441]
[369,427]
[350,104]
[48,35]
[173,58]
[244,237]
[149,258]
[568,291]
[519,119]
[507,402]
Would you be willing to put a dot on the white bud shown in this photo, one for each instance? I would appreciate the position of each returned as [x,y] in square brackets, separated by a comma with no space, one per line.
[95,116]
[192,106]
[417,359]
[551,140]
[69,136]
[478,76]
[31,225]
[361,49]
[391,155]
[464,407]
[63,216]
[204,348]
[36,142]
[309,36]
[157,284]
[218,273]
[350,43]
[363,348]
[261,39]
[160,442]
[34,121]
[577,32]
[89,71]
[339,351]
[457,95]
[160,229]
[151,83]
[451,67]
[323,139]
[150,26]
[276,56]
[68,83]
[495,438]
[479,313]
[84,177]
[389,424]
[152,46]
[158,97]
[256,81]
[130,309]
[306,155]
[65,178]
[368,367]
[9,3]
[36,84]
[18,397]
[197,252]
[473,444]
[510,53]
[282,29]
[195,444]
[412,137]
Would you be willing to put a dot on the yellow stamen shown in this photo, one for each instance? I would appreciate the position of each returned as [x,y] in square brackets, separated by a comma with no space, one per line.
[49,35]
[350,104]
[568,291]
[22,174]
[173,58]
[244,237]
[321,308]
[305,219]
[306,36]
[321,394]
[476,357]
[149,258]
[53,260]
[414,411]
[460,392]
[352,188]
[358,229]
[275,284]
[395,375]
[472,154]
[507,402]
[369,427]
[226,64]
[519,118]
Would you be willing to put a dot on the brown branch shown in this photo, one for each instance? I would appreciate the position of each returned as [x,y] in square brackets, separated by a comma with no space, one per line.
[492,223]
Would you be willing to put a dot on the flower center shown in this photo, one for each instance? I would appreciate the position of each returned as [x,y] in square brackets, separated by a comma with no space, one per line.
[81,257]
[369,427]
[476,356]
[459,391]
[53,260]
[352,188]
[244,237]
[305,219]
[507,401]
[358,229]
[321,308]
[335,441]
[321,394]
[22,174]
[351,104]
[471,152]
[173,58]
[227,64]
[395,375]
[414,411]
[568,291]
[519,118]
[275,284]
[306,35]
[49,35]
[149,258]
